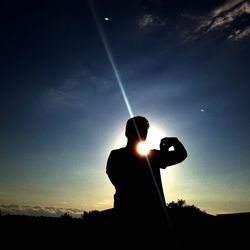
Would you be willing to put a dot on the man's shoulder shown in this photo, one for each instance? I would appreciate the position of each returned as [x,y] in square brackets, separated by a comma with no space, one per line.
[118,151]
[154,152]
[116,155]
[154,155]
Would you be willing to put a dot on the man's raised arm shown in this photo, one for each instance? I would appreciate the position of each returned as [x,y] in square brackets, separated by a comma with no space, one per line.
[171,157]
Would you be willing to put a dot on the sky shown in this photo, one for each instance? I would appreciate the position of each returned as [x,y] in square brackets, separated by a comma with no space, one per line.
[72,73]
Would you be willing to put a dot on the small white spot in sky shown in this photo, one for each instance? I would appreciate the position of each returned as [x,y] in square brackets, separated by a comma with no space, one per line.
[106,18]
[202,110]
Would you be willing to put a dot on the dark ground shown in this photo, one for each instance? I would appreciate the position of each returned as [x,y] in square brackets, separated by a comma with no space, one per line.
[101,229]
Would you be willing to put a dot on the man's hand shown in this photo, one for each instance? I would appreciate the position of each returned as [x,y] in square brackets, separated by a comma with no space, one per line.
[168,142]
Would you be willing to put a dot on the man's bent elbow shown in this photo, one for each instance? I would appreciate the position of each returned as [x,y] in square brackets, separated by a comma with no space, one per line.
[184,156]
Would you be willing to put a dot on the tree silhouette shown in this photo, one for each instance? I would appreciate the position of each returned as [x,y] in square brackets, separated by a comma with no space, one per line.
[181,205]
[90,214]
[66,216]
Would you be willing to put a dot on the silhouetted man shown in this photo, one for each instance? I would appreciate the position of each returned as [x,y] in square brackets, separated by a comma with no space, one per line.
[139,194]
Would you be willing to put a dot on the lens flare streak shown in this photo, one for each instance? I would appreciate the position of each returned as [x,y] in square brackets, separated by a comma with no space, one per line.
[110,57]
[122,89]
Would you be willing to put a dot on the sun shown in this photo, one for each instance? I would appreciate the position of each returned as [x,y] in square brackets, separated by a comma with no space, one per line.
[153,141]
[143,148]
[155,134]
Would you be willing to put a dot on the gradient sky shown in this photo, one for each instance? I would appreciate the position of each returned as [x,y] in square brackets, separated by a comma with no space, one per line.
[183,64]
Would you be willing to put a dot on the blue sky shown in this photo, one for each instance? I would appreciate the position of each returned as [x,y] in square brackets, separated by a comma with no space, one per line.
[183,65]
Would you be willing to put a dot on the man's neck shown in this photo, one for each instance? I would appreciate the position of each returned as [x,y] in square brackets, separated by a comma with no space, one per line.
[132,145]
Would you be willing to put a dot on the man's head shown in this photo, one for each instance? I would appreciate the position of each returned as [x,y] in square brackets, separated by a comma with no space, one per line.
[137,128]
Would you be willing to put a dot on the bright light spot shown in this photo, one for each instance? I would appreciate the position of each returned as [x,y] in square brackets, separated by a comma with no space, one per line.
[106,18]
[153,140]
[143,148]
[202,110]
[155,134]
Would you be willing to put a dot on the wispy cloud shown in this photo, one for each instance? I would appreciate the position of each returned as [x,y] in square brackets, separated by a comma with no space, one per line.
[224,16]
[67,93]
[239,34]
[39,211]
[76,89]
[150,21]
[226,7]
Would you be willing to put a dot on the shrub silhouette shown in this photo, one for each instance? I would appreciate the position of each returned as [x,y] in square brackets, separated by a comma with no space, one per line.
[89,214]
[66,216]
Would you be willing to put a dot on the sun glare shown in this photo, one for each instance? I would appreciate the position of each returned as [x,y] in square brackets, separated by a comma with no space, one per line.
[143,148]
